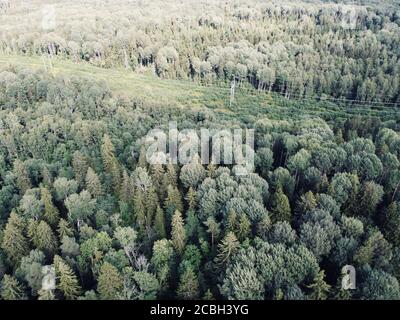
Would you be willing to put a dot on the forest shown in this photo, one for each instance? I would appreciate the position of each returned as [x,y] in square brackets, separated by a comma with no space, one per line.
[319,83]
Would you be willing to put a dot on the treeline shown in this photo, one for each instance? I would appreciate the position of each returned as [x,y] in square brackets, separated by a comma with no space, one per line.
[76,194]
[298,50]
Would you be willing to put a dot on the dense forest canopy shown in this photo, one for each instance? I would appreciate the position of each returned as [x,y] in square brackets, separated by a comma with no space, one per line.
[80,204]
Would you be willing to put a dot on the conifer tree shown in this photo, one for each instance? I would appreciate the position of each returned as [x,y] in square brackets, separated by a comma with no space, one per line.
[110,162]
[174,199]
[44,238]
[178,232]
[127,190]
[110,282]
[281,207]
[159,223]
[227,248]
[188,285]
[213,228]
[151,203]
[319,288]
[80,166]
[66,280]
[306,203]
[139,209]
[14,242]
[47,178]
[392,223]
[64,229]
[93,184]
[243,227]
[11,289]
[157,175]
[22,178]
[231,221]
[171,178]
[51,214]
[46,295]
[191,198]
[142,162]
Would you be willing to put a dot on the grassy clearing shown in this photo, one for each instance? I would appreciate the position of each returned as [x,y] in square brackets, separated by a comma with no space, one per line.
[249,105]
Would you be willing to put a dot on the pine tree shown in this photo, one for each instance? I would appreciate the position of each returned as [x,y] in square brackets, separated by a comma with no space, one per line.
[11,289]
[51,214]
[67,281]
[93,184]
[191,198]
[281,206]
[227,248]
[22,178]
[243,227]
[14,243]
[64,229]
[44,238]
[319,288]
[188,285]
[159,223]
[110,282]
[178,232]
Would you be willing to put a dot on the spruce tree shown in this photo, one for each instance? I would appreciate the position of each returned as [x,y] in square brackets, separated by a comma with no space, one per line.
[64,229]
[44,238]
[243,227]
[213,228]
[126,189]
[110,282]
[11,289]
[188,285]
[22,178]
[93,184]
[14,243]
[227,248]
[174,199]
[51,214]
[171,178]
[67,281]
[280,207]
[110,162]
[178,232]
[80,167]
[319,288]
[159,223]
[191,198]
[139,209]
